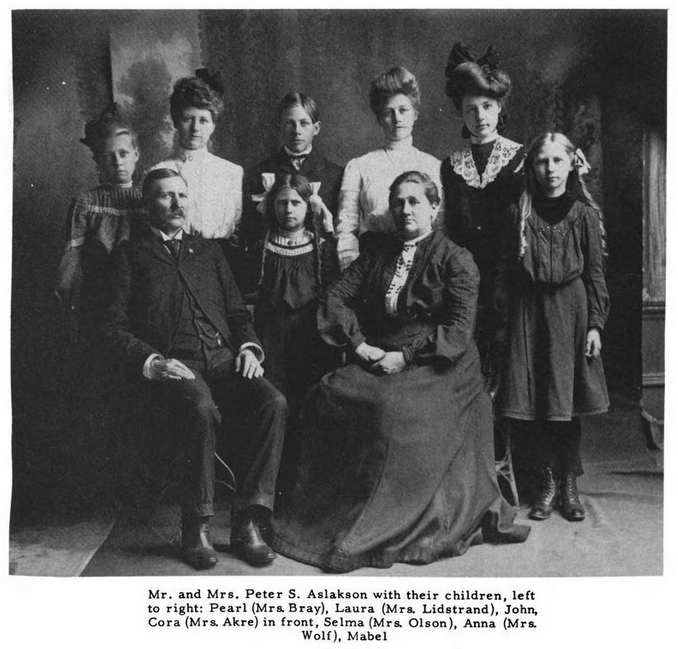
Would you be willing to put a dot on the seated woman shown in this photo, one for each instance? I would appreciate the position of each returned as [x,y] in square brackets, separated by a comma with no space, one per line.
[398,463]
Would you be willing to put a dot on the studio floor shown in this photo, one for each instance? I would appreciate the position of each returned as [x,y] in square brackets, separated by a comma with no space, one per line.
[622,491]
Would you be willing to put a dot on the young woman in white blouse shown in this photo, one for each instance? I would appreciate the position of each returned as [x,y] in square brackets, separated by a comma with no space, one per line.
[363,200]
[215,184]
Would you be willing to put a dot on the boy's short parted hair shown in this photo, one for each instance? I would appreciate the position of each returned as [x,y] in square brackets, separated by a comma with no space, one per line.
[112,121]
[419,177]
[396,81]
[157,174]
[195,92]
[299,99]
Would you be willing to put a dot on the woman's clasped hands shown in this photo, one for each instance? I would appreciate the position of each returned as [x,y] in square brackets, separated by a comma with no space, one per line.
[379,361]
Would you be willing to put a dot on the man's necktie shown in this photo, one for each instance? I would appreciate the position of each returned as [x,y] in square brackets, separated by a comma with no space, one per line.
[174,245]
[298,160]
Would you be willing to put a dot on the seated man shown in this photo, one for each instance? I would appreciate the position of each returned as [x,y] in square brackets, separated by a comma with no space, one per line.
[177,318]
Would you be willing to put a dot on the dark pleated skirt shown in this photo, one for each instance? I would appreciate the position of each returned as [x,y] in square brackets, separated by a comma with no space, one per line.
[548,376]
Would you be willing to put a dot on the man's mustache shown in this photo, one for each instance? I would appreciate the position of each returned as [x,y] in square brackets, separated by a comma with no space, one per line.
[174,213]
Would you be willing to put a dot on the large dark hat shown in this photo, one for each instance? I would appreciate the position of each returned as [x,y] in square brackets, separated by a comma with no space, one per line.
[466,73]
[461,54]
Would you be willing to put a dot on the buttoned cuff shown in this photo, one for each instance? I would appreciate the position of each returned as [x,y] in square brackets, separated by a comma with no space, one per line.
[146,371]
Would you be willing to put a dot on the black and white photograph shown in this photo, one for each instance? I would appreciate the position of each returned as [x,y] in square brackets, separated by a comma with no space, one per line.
[338,324]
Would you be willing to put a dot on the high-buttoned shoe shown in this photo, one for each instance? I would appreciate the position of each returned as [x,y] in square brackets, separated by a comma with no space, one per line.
[548,496]
[198,551]
[570,505]
[247,542]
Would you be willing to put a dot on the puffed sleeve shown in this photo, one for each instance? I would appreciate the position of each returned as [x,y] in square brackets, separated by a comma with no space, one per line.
[597,296]
[233,187]
[78,221]
[337,319]
[450,222]
[348,218]
[330,266]
[69,273]
[456,315]
[435,172]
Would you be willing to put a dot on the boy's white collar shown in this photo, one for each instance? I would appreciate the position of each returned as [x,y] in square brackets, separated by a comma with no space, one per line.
[293,154]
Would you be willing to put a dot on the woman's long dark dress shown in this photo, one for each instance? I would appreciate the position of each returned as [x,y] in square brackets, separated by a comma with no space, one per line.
[480,184]
[398,468]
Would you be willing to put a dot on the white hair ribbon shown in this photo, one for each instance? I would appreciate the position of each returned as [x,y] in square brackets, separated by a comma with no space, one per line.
[581,164]
[267,179]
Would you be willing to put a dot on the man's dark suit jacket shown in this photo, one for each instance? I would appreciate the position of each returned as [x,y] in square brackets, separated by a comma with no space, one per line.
[147,292]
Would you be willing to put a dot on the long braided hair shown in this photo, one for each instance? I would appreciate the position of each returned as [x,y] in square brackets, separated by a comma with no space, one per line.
[302,186]
[575,184]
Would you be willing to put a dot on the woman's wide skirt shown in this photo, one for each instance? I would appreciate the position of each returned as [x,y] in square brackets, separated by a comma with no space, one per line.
[396,468]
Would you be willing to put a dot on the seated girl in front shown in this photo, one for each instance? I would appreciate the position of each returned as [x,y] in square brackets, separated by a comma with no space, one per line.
[297,266]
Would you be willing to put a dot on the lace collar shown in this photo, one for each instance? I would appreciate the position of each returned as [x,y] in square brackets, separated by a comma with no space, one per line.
[300,245]
[463,164]
[299,239]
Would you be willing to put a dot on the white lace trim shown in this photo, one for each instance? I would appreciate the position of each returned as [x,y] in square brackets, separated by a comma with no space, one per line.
[463,164]
[282,245]
[286,251]
[116,211]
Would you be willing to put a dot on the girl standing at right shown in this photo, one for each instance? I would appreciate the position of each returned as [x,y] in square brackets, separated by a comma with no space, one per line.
[560,303]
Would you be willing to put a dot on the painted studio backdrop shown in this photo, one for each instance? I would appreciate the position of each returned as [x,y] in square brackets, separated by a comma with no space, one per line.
[599,76]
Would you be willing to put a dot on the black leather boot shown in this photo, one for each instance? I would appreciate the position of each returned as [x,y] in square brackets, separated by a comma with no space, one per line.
[198,551]
[548,496]
[247,541]
[570,506]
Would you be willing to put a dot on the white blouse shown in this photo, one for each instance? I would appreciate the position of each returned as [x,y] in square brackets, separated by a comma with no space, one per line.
[214,192]
[363,200]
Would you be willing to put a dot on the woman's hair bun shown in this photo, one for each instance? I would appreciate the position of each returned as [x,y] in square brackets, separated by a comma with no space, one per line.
[201,91]
[466,74]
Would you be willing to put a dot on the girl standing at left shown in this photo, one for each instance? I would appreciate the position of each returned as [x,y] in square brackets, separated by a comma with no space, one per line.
[214,184]
[99,219]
